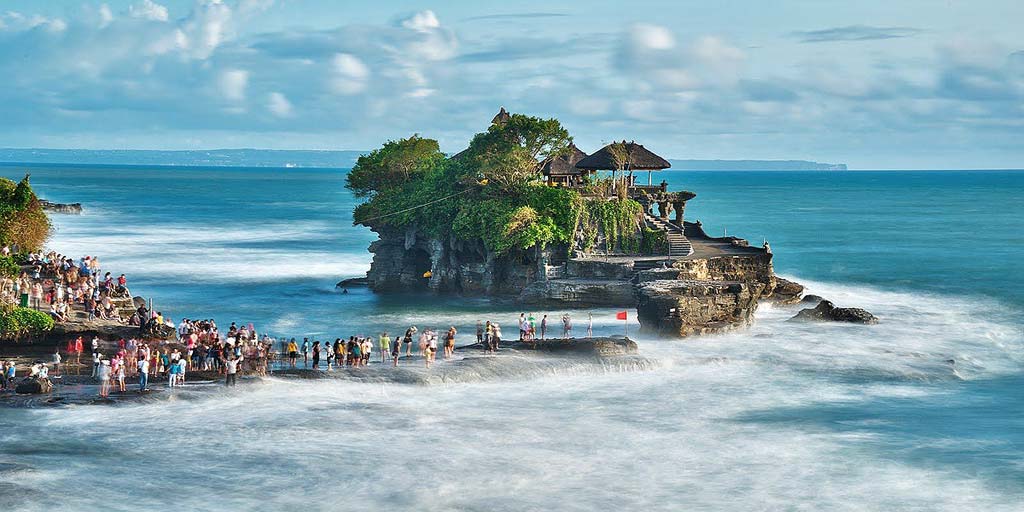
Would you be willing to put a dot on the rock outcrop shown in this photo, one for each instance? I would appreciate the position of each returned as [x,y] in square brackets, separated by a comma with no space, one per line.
[786,291]
[68,208]
[825,311]
[33,386]
[680,308]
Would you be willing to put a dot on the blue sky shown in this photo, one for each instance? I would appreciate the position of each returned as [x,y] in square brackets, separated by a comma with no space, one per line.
[874,84]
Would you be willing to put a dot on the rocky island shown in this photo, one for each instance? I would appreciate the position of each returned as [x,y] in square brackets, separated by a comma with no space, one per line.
[523,213]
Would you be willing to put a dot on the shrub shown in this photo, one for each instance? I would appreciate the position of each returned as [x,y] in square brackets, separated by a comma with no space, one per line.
[17,322]
[9,267]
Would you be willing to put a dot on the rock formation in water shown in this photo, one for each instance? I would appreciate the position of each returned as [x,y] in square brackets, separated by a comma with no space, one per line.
[826,311]
[67,208]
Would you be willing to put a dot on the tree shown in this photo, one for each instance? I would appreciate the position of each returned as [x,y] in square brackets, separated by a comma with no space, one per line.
[393,165]
[510,153]
[23,223]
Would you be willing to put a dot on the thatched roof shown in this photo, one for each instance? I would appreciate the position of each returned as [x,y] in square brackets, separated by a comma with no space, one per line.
[564,165]
[501,116]
[640,159]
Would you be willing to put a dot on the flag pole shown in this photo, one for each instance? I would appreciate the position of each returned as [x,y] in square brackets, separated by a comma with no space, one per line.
[625,322]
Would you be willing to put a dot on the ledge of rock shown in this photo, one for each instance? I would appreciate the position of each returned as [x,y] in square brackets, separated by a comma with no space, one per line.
[70,208]
[786,291]
[680,308]
[825,311]
[600,347]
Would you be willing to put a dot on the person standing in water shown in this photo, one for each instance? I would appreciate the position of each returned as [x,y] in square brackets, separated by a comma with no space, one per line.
[305,352]
[56,361]
[449,342]
[231,365]
[293,352]
[590,325]
[543,327]
[143,374]
[385,346]
[104,375]
[396,351]
[316,355]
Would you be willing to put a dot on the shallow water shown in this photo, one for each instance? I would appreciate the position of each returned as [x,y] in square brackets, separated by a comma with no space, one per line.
[921,412]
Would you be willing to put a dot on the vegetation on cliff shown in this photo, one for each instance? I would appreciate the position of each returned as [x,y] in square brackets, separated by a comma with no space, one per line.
[492,192]
[17,322]
[23,223]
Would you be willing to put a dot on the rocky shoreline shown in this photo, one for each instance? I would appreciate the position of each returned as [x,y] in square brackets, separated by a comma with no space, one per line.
[516,360]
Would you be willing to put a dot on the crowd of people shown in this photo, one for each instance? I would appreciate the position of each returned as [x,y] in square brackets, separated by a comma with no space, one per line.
[199,345]
[58,284]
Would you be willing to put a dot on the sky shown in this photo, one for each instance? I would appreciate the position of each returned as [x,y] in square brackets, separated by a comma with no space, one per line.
[905,84]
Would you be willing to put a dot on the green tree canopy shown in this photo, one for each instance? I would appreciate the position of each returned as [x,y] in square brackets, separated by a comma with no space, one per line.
[22,220]
[395,164]
[509,153]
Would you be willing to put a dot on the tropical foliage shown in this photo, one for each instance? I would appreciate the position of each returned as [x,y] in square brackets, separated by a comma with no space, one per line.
[23,223]
[491,192]
[17,322]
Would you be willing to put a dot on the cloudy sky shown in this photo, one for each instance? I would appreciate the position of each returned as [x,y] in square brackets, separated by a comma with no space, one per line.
[873,83]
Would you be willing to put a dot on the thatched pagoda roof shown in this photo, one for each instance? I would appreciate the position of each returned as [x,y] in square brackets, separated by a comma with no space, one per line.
[640,159]
[501,116]
[564,165]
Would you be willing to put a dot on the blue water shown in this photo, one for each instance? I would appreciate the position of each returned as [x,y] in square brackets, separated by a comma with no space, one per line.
[776,417]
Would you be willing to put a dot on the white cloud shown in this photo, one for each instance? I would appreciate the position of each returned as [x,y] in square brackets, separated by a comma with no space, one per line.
[423,21]
[232,84]
[652,37]
[148,10]
[106,16]
[348,74]
[279,105]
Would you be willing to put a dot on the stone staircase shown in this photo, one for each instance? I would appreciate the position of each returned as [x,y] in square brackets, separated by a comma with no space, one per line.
[678,245]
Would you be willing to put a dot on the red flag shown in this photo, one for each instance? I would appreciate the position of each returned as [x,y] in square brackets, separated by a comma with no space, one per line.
[621,315]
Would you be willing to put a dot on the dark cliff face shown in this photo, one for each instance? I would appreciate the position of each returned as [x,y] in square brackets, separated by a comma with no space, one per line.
[408,260]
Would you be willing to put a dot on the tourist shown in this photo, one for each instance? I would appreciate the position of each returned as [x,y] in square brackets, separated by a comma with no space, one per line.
[449,343]
[231,365]
[305,352]
[329,351]
[119,375]
[590,325]
[104,376]
[385,346]
[495,337]
[543,327]
[143,366]
[409,333]
[293,352]
[488,333]
[340,352]
[432,346]
[396,351]
[12,369]
[522,326]
[172,374]
[96,362]
[566,325]
[79,348]
[479,332]
[56,360]
[356,354]
[316,355]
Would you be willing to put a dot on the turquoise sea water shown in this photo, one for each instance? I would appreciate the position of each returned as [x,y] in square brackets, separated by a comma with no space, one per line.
[923,412]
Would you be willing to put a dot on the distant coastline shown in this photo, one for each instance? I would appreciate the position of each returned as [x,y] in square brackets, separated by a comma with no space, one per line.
[316,158]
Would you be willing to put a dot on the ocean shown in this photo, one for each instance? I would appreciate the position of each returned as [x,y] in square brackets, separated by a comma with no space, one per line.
[924,411]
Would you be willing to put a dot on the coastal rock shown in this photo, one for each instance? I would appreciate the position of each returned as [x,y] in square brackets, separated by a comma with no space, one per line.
[68,208]
[33,387]
[353,282]
[680,308]
[590,292]
[599,347]
[825,311]
[811,300]
[786,291]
